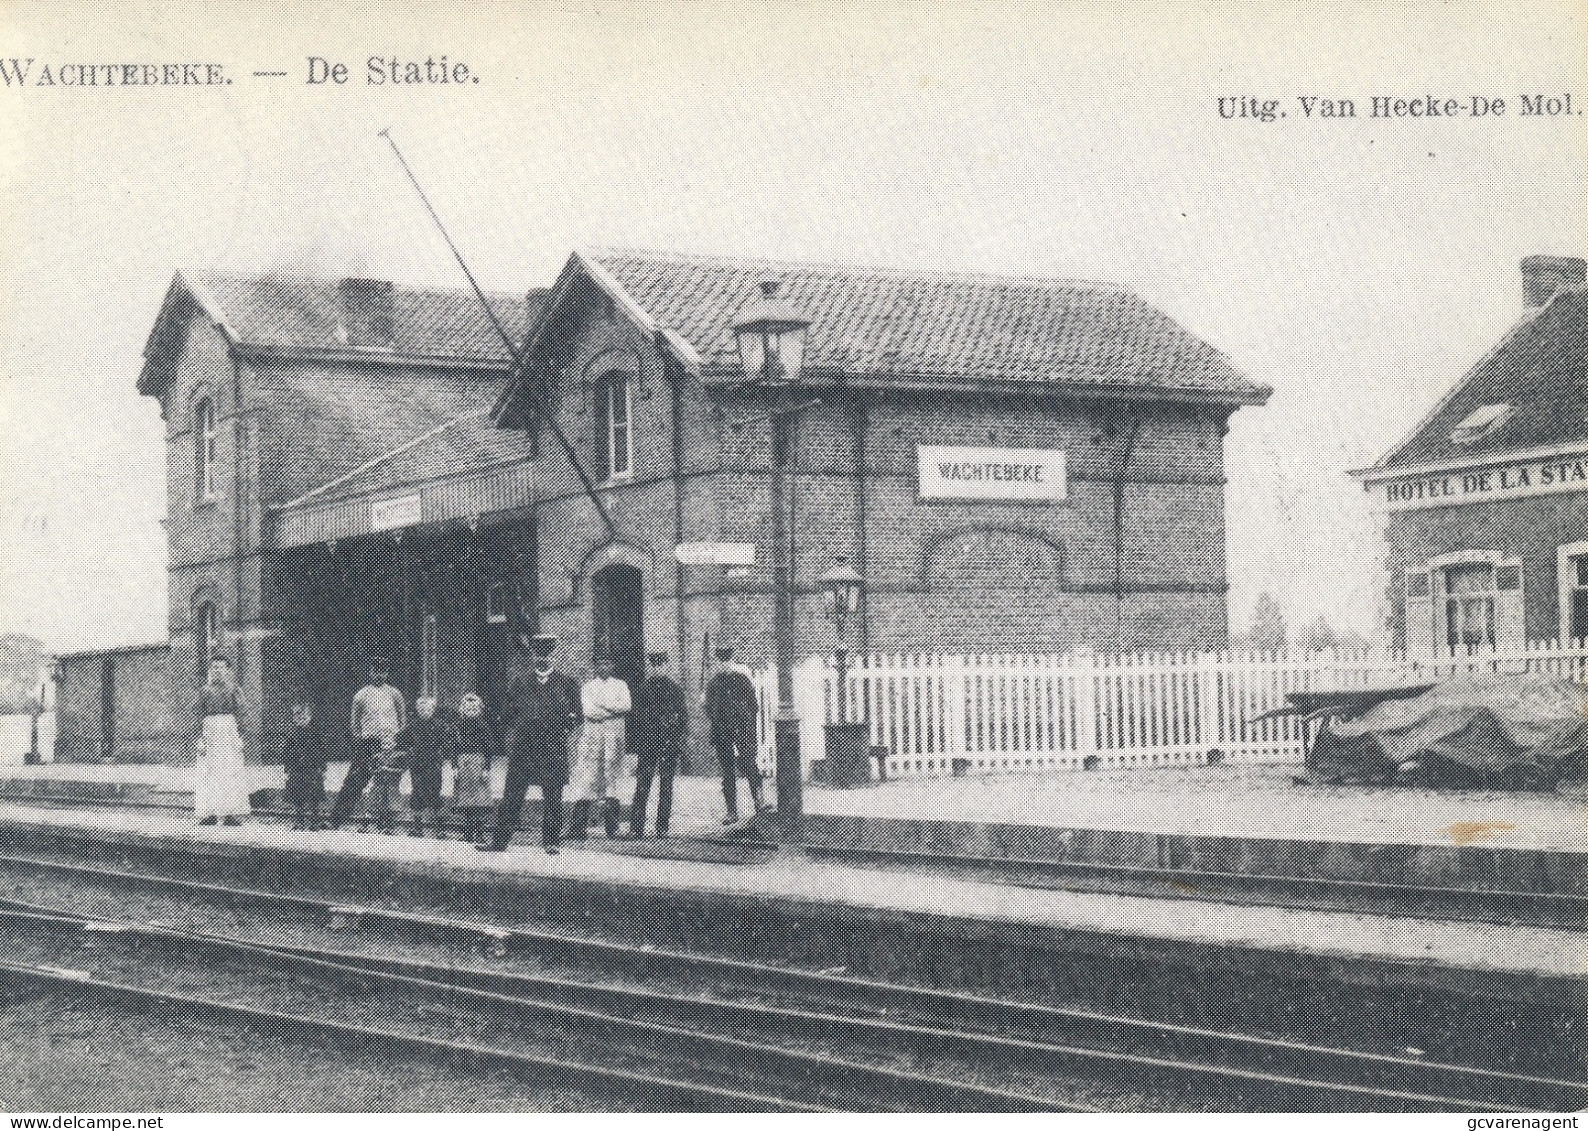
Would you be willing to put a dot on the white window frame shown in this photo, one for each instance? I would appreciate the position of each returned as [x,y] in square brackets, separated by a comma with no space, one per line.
[1439,595]
[619,451]
[206,429]
[1480,422]
[1566,584]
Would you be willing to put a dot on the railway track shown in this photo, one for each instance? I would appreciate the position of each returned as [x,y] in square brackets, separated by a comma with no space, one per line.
[897,1046]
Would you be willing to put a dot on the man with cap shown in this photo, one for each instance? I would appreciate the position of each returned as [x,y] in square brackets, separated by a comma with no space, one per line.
[658,726]
[541,711]
[731,709]
[379,712]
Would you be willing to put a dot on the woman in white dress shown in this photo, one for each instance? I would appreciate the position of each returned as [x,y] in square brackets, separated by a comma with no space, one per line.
[220,778]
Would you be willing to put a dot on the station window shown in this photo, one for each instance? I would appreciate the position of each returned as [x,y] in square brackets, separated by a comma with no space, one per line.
[496,603]
[614,394]
[429,663]
[204,449]
[207,626]
[1472,595]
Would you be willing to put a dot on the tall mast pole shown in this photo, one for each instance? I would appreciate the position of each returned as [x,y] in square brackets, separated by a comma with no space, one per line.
[512,347]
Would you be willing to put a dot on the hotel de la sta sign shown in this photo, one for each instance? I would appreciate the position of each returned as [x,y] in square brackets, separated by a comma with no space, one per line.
[1486,501]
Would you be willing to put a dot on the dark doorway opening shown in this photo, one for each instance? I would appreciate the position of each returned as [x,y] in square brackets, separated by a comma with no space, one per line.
[617,618]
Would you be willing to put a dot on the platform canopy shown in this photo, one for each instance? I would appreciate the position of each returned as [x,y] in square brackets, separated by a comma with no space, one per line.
[463,469]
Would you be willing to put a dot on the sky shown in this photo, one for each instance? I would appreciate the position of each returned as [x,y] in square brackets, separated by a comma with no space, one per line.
[1356,266]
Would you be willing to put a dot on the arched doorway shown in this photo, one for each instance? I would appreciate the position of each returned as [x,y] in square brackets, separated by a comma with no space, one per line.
[617,620]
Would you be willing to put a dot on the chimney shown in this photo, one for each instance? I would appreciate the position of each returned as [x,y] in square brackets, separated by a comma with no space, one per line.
[368,312]
[1543,275]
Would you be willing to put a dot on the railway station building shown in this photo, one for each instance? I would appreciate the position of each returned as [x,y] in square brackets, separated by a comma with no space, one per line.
[1486,501]
[357,468]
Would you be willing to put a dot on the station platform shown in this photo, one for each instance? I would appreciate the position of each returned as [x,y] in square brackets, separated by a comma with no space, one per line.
[1241,819]
[1481,962]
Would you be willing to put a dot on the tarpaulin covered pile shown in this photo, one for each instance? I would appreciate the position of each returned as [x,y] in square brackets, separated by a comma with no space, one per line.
[1498,731]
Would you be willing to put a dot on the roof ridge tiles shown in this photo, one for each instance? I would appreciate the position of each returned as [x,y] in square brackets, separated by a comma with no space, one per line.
[903,274]
[207,275]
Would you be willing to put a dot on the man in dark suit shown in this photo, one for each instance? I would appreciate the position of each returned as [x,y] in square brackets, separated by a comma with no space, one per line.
[731,708]
[658,725]
[542,710]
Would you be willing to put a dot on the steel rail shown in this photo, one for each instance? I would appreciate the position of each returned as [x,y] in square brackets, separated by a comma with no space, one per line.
[802,1065]
[275,1023]
[430,976]
[909,1035]
[993,1013]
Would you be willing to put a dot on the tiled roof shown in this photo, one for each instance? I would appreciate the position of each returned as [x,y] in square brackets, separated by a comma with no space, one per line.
[453,449]
[330,428]
[917,325]
[375,406]
[302,312]
[1540,369]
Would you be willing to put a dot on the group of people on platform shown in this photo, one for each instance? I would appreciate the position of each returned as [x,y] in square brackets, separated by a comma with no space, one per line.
[568,740]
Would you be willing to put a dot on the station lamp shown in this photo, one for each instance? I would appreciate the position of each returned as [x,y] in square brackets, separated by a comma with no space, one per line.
[771,338]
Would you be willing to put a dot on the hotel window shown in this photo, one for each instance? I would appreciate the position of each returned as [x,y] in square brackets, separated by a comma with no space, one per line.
[204,449]
[614,395]
[1482,604]
[1575,589]
[1480,422]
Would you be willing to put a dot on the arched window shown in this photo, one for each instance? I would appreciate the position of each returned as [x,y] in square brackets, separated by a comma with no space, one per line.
[206,624]
[204,449]
[614,395]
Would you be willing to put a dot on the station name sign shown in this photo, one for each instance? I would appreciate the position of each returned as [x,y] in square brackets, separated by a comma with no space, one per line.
[1549,476]
[738,554]
[394,514]
[1005,475]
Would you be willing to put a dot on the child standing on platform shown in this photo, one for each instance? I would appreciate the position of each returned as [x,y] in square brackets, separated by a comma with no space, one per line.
[385,786]
[305,759]
[472,746]
[422,741]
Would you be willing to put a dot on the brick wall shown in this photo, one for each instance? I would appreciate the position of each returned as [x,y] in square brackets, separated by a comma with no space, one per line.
[1530,529]
[149,716]
[942,575]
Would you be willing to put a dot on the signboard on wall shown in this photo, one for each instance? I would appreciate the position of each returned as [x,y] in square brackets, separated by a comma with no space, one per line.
[394,514]
[1003,475]
[715,553]
[1481,484]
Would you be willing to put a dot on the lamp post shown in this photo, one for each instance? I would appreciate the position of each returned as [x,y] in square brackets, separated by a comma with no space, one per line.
[771,338]
[846,742]
[842,584]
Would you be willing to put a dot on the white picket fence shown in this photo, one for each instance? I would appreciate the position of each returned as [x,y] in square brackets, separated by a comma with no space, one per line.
[997,714]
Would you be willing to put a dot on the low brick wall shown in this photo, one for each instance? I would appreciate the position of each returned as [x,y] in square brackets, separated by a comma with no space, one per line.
[119,705]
